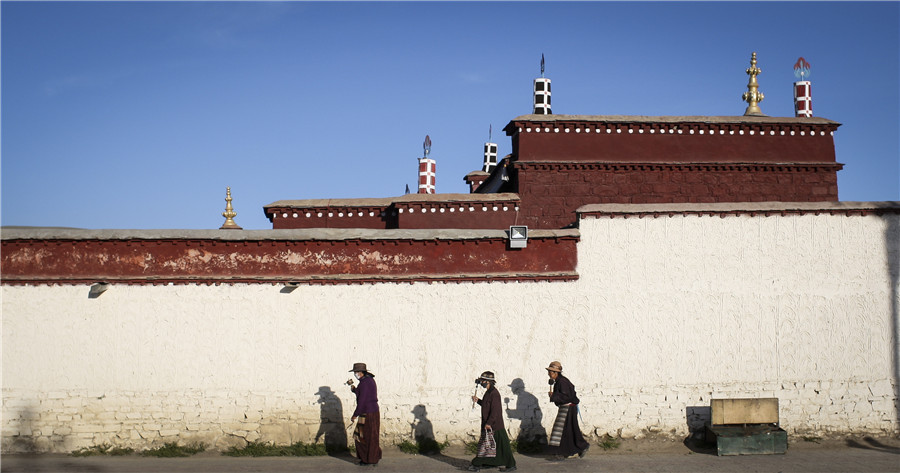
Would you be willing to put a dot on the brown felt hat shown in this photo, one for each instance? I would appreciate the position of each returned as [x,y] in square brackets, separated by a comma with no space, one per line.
[555,366]
[359,367]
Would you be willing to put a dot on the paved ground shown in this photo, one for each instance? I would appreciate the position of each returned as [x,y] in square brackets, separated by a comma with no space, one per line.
[854,455]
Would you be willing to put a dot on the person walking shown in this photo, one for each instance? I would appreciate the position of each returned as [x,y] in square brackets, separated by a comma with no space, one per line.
[368,426]
[493,446]
[566,438]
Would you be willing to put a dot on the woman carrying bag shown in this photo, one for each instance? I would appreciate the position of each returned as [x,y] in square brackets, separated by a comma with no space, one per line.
[493,446]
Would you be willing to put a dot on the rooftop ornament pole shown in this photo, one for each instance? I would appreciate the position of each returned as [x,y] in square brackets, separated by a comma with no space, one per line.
[541,96]
[753,96]
[490,152]
[427,170]
[802,89]
[229,213]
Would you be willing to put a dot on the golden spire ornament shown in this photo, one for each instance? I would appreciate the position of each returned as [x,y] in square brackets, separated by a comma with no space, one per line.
[753,96]
[229,213]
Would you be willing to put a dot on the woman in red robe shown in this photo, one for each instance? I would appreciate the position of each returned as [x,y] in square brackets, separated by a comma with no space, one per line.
[368,427]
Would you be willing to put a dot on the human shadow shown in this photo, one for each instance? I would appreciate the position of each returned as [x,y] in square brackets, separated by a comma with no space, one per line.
[331,424]
[422,430]
[23,440]
[23,454]
[698,421]
[532,437]
[423,433]
[872,444]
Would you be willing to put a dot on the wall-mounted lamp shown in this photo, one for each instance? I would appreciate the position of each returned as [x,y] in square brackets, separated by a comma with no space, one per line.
[97,289]
[518,236]
[289,287]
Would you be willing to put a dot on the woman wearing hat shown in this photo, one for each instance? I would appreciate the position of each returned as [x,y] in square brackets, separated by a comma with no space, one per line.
[366,435]
[566,438]
[493,446]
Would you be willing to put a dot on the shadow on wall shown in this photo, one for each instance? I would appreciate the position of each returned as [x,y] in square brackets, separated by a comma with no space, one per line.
[28,450]
[528,412]
[423,433]
[331,422]
[892,244]
[698,420]
[422,430]
[23,441]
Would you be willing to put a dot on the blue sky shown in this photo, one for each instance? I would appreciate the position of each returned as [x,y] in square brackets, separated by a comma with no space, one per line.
[138,115]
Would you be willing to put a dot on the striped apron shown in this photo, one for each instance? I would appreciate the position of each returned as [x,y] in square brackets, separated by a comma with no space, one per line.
[558,424]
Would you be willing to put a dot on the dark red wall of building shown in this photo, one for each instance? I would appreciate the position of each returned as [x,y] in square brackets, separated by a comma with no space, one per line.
[288,218]
[412,211]
[244,257]
[563,162]
[815,145]
[550,193]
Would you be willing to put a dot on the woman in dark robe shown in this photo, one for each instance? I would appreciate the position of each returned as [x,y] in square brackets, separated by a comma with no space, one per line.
[368,427]
[566,438]
[493,446]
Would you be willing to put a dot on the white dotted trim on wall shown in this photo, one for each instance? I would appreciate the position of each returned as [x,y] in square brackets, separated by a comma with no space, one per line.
[660,128]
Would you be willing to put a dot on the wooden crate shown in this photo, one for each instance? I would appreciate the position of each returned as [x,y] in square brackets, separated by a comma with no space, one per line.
[746,427]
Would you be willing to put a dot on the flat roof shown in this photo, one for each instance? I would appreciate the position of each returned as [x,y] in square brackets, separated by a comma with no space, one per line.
[300,234]
[674,119]
[826,206]
[386,201]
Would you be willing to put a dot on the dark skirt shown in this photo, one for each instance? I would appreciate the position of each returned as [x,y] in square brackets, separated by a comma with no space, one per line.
[366,437]
[572,442]
[504,452]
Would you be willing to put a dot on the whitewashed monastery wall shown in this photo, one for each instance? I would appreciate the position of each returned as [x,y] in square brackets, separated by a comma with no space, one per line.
[668,313]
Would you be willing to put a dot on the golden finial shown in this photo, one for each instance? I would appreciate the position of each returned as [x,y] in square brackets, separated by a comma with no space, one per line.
[229,213]
[753,96]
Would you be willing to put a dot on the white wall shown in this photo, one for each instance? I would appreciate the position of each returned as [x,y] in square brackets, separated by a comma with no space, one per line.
[668,313]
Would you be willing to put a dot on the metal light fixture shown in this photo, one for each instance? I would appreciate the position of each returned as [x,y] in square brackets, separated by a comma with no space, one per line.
[97,289]
[290,287]
[518,236]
